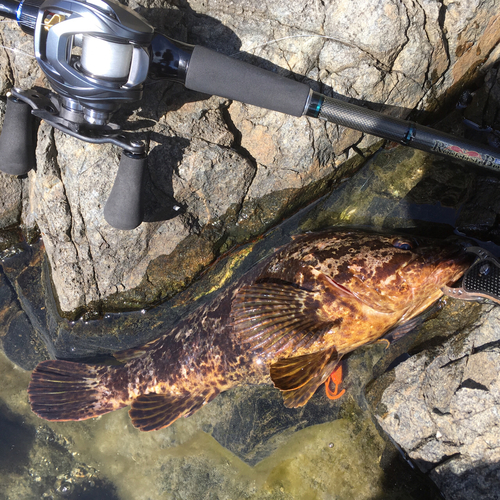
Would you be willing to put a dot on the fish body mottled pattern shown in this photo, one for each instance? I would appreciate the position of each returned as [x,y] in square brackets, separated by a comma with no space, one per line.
[289,320]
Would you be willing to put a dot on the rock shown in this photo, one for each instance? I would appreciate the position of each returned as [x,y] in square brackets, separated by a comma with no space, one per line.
[11,201]
[441,407]
[234,170]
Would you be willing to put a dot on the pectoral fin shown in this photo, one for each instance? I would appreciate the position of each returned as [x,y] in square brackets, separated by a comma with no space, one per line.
[405,327]
[299,377]
[276,316]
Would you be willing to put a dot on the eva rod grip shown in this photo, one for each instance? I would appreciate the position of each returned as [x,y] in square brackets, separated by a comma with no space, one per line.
[124,208]
[17,147]
[216,74]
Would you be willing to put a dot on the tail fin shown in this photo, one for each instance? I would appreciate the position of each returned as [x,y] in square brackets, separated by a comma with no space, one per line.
[63,390]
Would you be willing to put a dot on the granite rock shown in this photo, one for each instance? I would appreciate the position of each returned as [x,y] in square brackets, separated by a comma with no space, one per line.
[234,170]
[441,407]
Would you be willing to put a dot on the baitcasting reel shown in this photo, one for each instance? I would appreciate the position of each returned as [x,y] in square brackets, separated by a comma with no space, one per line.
[97,54]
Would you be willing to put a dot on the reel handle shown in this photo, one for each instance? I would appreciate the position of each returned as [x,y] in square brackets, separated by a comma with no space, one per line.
[17,147]
[124,208]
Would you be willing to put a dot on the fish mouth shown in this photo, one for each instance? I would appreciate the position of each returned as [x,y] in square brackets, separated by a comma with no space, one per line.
[457,261]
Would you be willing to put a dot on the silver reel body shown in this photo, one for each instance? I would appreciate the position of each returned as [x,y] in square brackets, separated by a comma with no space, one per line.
[94,53]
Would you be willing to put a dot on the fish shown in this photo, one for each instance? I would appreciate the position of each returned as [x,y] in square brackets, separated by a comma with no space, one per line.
[288,321]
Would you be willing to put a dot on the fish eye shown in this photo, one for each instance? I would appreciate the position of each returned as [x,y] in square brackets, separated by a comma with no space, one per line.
[402,244]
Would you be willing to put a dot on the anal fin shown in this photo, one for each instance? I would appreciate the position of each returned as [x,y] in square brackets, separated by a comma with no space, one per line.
[151,412]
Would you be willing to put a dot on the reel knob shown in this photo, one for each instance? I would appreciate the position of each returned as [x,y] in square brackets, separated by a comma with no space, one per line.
[17,147]
[124,208]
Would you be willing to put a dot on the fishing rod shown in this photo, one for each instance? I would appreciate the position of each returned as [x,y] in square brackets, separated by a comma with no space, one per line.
[97,54]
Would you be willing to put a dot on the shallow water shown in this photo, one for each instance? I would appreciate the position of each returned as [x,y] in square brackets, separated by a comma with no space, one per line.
[106,458]
[244,444]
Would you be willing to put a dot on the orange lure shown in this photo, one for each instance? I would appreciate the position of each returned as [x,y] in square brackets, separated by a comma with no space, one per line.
[334,379]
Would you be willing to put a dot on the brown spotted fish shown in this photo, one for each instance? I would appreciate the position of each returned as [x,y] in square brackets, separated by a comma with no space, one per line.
[289,319]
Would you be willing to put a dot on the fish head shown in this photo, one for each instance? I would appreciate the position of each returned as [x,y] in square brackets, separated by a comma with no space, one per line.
[393,273]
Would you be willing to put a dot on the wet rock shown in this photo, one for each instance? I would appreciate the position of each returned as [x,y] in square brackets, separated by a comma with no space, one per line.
[479,216]
[255,423]
[23,312]
[441,407]
[220,161]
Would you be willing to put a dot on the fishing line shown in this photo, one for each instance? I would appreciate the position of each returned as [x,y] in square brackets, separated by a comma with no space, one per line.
[276,40]
[12,49]
[17,51]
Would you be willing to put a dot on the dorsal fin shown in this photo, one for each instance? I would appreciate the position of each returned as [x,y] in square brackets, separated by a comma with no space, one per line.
[277,316]
[299,377]
[151,412]
[135,352]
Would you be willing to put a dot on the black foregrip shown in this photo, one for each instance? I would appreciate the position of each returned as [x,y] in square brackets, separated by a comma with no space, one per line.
[362,119]
[17,148]
[124,208]
[216,74]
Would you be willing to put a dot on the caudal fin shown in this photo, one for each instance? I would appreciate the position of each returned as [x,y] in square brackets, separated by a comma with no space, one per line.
[63,390]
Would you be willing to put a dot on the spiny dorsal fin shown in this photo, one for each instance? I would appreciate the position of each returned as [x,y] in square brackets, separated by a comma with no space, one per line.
[299,378]
[151,412]
[277,316]
[135,352]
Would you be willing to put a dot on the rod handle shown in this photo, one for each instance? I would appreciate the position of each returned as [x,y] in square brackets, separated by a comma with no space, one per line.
[124,208]
[17,147]
[216,74]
